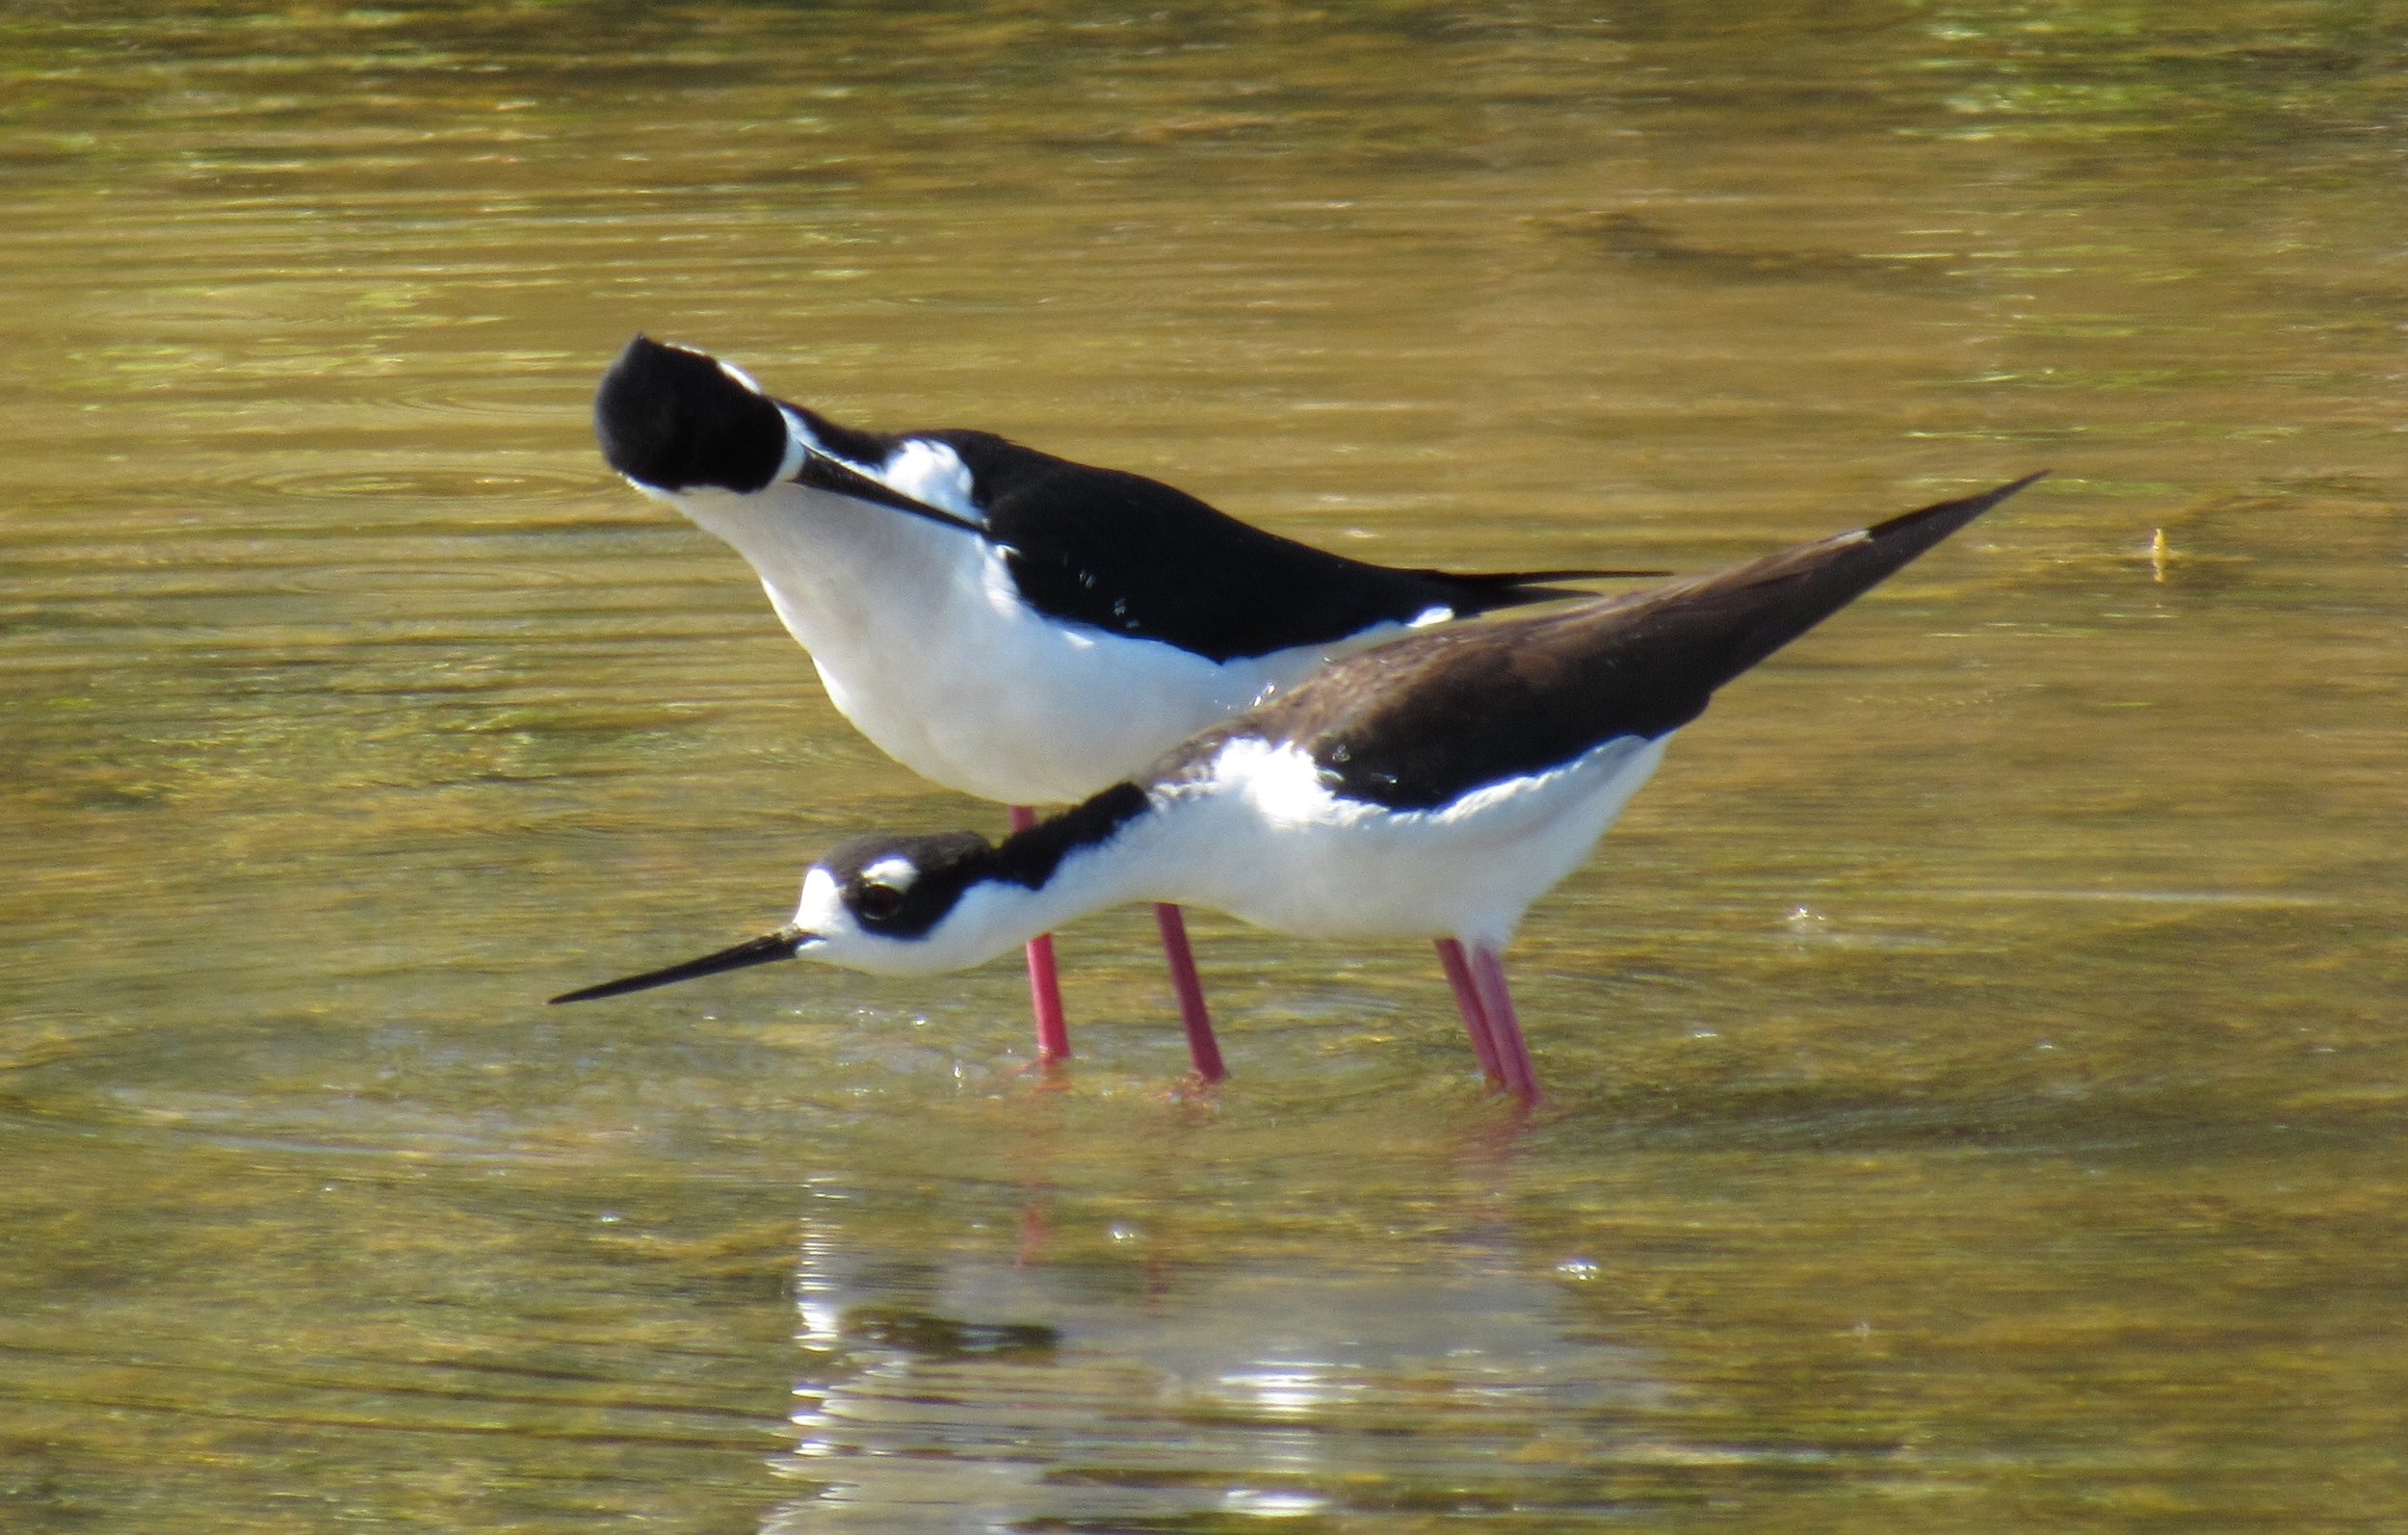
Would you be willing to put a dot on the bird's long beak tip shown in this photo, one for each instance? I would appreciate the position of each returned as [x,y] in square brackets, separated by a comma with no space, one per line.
[784,943]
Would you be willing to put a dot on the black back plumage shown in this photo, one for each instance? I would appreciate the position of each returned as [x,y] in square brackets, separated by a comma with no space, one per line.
[1096,547]
[1132,556]
[1417,723]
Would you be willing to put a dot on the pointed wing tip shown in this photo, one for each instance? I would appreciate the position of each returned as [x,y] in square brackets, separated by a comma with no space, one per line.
[1992,497]
[1929,524]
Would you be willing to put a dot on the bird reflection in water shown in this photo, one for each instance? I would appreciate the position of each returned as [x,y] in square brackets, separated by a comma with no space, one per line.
[1063,1364]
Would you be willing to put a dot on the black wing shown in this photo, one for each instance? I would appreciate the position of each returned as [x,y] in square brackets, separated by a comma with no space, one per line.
[1112,550]
[1419,722]
[1132,556]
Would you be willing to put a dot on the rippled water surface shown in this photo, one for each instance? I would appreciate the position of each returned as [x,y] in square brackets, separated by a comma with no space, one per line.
[1977,1062]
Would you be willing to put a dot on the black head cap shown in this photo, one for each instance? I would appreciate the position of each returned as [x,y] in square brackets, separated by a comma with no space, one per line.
[903,886]
[669,418]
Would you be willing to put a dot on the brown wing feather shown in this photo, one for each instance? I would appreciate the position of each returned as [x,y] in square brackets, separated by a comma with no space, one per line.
[1420,721]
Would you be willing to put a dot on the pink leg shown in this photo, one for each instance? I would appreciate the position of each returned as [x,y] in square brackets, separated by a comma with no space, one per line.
[1202,1048]
[1052,1029]
[1513,1056]
[1029,1251]
[1467,1003]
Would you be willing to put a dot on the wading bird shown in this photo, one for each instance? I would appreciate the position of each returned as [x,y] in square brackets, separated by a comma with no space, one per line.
[1010,624]
[1432,787]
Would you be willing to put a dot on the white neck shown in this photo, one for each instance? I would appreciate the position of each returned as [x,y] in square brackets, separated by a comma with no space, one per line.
[824,557]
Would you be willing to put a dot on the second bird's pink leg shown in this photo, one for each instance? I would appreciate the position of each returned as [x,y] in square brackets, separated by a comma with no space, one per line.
[1467,1003]
[1513,1056]
[1202,1048]
[1052,1029]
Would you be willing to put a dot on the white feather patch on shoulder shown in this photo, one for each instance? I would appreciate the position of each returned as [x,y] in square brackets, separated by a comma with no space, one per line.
[1281,782]
[930,472]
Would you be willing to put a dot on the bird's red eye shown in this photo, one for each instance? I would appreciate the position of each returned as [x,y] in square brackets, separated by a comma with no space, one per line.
[877,903]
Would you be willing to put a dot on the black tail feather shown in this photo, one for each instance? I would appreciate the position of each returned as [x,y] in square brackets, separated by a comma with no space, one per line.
[1724,623]
[1417,723]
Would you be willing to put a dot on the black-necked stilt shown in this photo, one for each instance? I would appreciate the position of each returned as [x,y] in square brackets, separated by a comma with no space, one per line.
[1010,624]
[1434,786]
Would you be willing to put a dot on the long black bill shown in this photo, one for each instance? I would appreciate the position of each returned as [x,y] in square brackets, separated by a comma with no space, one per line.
[823,473]
[779,945]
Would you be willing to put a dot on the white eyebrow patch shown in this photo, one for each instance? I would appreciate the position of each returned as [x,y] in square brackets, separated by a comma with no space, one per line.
[897,874]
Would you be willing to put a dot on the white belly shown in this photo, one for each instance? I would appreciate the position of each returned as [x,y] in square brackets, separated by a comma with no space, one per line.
[923,643]
[1272,848]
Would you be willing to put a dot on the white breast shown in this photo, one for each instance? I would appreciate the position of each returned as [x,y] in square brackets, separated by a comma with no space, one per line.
[925,645]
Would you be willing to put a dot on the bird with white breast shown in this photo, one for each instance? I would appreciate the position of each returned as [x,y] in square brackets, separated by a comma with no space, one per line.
[1434,786]
[1006,623]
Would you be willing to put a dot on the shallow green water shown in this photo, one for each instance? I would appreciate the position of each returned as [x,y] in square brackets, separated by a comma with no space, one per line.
[1977,1061]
